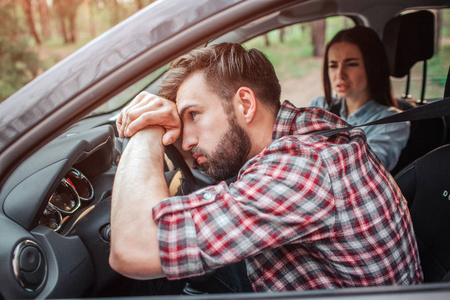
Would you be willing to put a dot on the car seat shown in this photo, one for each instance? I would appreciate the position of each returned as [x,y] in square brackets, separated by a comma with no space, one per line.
[409,39]
[426,186]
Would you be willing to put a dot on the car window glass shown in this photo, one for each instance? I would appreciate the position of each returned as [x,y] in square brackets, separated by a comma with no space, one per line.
[149,83]
[437,66]
[296,53]
[129,93]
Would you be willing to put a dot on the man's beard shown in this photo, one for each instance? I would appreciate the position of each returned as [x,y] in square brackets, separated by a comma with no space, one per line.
[230,154]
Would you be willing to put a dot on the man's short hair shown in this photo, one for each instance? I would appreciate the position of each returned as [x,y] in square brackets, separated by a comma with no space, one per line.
[226,67]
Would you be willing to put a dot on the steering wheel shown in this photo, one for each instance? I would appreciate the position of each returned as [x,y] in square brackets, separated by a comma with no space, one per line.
[188,182]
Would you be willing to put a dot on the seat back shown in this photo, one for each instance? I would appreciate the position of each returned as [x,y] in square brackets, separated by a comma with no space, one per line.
[426,186]
[424,136]
[409,39]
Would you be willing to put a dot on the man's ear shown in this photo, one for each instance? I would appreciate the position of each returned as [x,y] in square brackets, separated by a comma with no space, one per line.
[246,103]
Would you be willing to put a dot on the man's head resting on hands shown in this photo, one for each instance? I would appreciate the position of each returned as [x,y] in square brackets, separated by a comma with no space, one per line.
[222,71]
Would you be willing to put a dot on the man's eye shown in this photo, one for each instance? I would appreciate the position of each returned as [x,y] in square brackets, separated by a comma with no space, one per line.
[332,66]
[194,115]
[353,64]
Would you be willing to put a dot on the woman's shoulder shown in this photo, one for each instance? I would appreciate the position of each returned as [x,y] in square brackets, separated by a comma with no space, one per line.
[384,110]
[319,101]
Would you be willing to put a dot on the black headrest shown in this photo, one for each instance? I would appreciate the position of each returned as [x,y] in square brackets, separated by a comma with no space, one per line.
[408,39]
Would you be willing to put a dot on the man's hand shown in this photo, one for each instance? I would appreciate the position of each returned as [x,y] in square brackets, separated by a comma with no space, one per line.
[147,109]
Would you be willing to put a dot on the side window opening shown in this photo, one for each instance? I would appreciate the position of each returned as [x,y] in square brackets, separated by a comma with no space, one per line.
[437,66]
[298,62]
[296,52]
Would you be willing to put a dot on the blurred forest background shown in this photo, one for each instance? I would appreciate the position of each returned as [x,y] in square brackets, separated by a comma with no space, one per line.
[36,34]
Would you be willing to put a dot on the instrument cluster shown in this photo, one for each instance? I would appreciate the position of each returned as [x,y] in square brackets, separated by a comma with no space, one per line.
[73,192]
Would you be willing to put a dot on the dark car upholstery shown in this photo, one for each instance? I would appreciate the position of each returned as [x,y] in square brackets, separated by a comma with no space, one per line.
[409,39]
[425,185]
[422,175]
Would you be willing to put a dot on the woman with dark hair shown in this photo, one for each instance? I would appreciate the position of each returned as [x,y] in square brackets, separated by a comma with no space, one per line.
[356,69]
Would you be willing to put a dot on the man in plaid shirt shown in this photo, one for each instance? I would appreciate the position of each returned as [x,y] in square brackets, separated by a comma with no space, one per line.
[306,211]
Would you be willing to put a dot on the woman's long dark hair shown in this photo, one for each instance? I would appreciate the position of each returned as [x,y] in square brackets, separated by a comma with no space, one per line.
[375,63]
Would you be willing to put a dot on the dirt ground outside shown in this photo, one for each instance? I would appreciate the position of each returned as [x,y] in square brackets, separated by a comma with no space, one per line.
[300,91]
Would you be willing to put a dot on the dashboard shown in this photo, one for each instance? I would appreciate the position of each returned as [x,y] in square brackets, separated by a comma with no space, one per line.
[57,179]
[57,204]
[57,212]
[75,191]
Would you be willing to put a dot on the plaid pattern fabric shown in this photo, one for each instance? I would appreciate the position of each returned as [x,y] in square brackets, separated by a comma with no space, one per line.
[308,212]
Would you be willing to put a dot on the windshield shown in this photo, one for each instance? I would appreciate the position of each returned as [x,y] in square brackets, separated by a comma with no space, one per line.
[129,93]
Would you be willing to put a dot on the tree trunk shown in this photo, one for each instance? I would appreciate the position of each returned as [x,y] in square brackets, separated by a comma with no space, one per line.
[60,12]
[115,12]
[318,37]
[67,14]
[282,35]
[139,4]
[72,27]
[266,39]
[45,20]
[26,4]
[72,9]
[92,4]
[438,31]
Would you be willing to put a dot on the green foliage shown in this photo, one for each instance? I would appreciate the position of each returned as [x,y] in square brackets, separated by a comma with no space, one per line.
[19,63]
[439,64]
[437,69]
[285,55]
[290,56]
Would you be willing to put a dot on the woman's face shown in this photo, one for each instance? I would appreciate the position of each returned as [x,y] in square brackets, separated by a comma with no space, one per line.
[347,72]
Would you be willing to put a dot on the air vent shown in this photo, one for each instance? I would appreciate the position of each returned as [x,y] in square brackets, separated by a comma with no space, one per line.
[30,266]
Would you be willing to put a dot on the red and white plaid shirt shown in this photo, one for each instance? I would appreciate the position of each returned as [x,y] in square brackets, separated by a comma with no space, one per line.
[308,212]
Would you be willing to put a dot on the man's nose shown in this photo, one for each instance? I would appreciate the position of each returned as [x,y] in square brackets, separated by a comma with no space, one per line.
[189,141]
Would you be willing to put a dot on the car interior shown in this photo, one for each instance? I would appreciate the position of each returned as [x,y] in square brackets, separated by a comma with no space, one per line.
[409,39]
[422,170]
[66,186]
